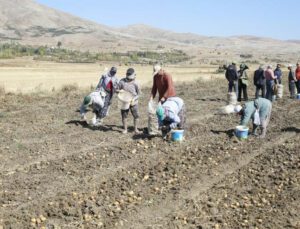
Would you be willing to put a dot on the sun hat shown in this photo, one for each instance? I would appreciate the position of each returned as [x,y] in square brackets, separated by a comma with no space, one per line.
[237,108]
[156,69]
[87,100]
[130,74]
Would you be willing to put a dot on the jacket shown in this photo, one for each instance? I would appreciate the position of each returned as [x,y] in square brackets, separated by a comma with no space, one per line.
[105,81]
[297,73]
[291,76]
[243,76]
[263,105]
[231,73]
[259,78]
[278,73]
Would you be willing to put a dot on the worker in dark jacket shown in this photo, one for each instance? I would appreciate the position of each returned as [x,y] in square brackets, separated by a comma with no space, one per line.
[260,82]
[259,111]
[278,73]
[232,77]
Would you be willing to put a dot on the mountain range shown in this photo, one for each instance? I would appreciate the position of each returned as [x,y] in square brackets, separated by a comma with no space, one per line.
[28,22]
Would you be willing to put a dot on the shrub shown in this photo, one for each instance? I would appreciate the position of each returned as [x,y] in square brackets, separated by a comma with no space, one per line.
[69,88]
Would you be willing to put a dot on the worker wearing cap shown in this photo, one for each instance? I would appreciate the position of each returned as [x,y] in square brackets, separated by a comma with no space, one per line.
[108,84]
[96,101]
[259,111]
[129,84]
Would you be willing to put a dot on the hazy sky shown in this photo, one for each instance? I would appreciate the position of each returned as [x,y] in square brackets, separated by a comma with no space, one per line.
[268,18]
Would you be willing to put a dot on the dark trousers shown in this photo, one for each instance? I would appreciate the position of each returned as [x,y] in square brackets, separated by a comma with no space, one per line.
[261,88]
[298,86]
[233,85]
[242,89]
[107,102]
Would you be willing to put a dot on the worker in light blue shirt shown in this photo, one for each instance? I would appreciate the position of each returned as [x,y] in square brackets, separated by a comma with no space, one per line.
[171,114]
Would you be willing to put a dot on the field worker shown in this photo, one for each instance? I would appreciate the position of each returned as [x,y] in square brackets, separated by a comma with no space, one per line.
[297,73]
[171,115]
[163,83]
[259,111]
[278,73]
[292,80]
[108,84]
[96,101]
[232,77]
[243,82]
[129,84]
[270,77]
[259,81]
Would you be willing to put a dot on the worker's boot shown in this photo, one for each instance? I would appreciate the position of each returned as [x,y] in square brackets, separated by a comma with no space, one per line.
[136,130]
[124,121]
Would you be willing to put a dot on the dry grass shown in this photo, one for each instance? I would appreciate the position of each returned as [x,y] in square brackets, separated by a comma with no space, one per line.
[29,76]
[2,90]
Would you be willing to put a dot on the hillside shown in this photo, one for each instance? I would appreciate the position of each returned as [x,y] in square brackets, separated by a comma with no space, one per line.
[28,22]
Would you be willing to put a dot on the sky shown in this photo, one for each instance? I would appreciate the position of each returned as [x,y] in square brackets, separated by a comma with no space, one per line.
[277,19]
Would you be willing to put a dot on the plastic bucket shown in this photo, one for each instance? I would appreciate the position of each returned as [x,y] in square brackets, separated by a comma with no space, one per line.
[298,96]
[177,135]
[241,132]
[124,100]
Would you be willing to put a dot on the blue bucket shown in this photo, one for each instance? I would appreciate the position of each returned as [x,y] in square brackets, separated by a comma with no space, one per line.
[241,132]
[177,135]
[298,96]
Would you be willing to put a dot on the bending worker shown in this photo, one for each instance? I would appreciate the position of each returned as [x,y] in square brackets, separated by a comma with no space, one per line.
[96,101]
[171,115]
[259,111]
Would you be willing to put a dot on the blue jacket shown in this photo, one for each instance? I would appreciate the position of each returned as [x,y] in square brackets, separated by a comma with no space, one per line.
[278,73]
[263,105]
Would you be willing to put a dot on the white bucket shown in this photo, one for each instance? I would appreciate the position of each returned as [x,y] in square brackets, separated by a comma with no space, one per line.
[125,99]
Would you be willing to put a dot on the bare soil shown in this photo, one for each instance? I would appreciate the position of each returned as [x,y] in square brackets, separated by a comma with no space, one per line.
[57,172]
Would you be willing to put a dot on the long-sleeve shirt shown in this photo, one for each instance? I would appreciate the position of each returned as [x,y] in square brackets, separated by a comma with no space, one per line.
[108,83]
[297,73]
[264,106]
[130,86]
[278,73]
[97,102]
[259,78]
[163,83]
[269,74]
[231,73]
[172,106]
